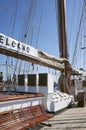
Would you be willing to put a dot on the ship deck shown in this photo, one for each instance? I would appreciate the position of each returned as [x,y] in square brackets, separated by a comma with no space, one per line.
[71,119]
[11,95]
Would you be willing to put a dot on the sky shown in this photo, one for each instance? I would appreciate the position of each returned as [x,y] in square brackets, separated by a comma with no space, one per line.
[48,31]
[38,20]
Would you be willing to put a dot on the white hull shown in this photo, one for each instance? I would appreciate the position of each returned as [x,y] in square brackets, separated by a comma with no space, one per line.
[55,102]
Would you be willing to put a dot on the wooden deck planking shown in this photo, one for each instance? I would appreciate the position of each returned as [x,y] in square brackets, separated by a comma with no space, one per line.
[72,119]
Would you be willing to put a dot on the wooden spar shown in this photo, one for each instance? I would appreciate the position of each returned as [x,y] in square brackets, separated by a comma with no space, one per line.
[63,46]
[14,48]
[39,60]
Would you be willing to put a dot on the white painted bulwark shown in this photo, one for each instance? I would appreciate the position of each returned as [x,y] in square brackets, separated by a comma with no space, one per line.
[21,103]
[47,84]
[53,100]
[50,85]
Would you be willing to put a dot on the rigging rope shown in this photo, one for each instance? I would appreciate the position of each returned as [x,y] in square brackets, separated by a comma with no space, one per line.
[16,7]
[29,30]
[13,28]
[71,21]
[39,24]
[76,44]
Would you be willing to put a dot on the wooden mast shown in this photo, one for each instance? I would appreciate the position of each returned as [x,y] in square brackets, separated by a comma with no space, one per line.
[64,80]
[63,46]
